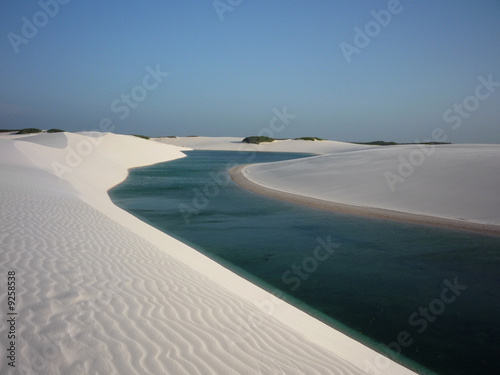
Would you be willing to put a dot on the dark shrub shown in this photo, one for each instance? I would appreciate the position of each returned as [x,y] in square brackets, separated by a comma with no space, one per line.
[257,140]
[141,136]
[29,131]
[310,139]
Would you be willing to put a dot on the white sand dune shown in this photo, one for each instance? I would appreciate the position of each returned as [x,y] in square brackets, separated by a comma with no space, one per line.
[457,184]
[235,144]
[100,292]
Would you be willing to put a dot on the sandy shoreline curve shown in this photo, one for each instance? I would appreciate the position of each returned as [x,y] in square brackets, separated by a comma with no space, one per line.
[238,176]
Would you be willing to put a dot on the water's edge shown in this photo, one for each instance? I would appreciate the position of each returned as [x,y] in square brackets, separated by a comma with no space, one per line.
[359,252]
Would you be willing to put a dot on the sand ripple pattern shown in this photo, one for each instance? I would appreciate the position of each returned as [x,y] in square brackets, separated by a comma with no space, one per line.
[95,298]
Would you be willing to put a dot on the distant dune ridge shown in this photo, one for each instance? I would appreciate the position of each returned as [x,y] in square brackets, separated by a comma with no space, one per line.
[235,144]
[100,292]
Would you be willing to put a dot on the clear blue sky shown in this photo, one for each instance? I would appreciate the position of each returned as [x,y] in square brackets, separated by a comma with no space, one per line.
[226,76]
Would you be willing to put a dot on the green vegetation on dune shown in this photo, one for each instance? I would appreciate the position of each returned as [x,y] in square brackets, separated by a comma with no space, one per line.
[257,139]
[141,136]
[384,143]
[29,131]
[377,143]
[310,139]
[260,139]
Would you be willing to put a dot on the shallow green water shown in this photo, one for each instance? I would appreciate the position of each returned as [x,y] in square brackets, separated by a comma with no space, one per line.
[436,290]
